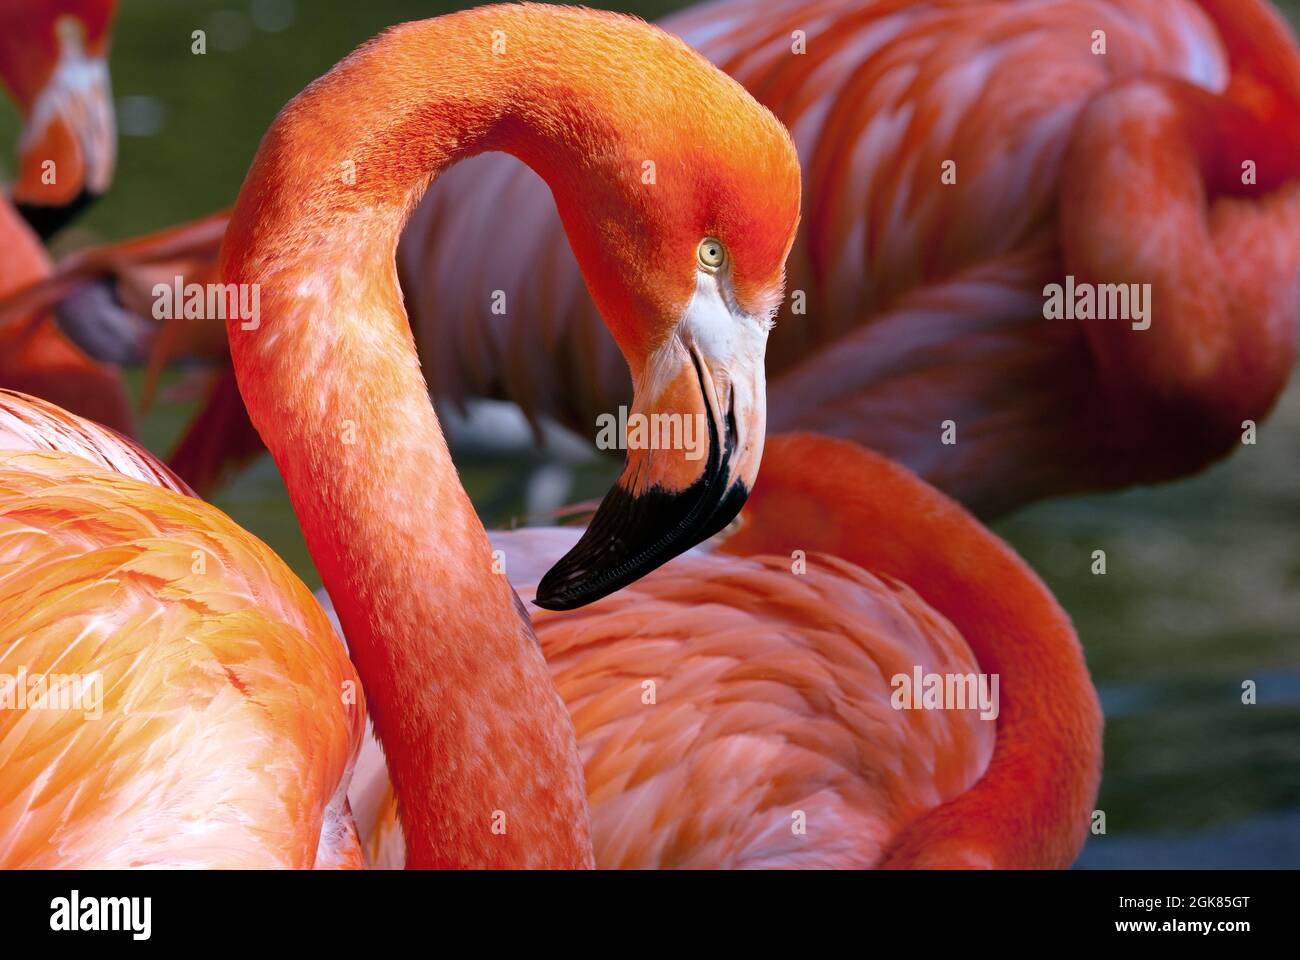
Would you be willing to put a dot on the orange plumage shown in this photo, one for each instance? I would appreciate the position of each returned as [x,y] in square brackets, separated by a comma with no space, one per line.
[227,713]
[735,697]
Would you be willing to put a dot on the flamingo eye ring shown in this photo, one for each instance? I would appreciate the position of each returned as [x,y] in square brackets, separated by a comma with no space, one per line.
[711,253]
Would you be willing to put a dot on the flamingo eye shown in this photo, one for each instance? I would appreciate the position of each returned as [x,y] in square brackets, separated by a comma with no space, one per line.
[712,253]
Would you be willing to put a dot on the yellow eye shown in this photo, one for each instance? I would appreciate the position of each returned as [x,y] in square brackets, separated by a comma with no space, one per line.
[712,253]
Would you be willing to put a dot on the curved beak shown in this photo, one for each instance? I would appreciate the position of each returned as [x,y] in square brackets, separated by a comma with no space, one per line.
[694,439]
[69,141]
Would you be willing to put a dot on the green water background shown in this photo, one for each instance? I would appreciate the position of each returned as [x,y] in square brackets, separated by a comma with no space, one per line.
[1200,592]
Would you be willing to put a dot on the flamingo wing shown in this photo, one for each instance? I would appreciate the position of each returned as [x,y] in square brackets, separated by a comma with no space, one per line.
[737,714]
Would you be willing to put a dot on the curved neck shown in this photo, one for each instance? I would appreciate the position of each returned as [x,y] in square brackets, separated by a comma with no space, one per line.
[1031,807]
[1215,341]
[481,749]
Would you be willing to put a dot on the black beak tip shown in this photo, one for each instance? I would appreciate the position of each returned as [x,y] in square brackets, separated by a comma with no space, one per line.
[550,598]
[47,220]
[631,536]
[560,589]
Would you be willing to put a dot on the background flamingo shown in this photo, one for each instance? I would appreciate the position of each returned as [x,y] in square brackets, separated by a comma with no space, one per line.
[52,61]
[924,300]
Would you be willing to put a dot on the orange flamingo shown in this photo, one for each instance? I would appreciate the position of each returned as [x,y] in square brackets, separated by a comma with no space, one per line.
[51,59]
[688,269]
[734,708]
[925,299]
[54,60]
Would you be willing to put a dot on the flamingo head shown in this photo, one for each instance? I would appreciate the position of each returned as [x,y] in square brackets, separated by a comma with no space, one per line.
[53,59]
[681,225]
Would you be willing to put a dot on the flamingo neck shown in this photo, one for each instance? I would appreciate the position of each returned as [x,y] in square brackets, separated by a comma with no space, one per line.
[480,748]
[1031,808]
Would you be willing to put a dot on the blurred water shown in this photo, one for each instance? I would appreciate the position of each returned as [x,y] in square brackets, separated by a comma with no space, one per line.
[1200,595]
[1201,589]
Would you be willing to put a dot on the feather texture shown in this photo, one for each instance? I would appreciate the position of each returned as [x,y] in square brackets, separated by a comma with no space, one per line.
[219,715]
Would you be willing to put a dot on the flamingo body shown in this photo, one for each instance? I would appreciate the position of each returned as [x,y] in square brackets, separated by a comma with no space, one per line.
[737,693]
[771,702]
[230,712]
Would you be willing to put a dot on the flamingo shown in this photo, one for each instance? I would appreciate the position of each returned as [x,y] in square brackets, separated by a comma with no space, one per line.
[919,303]
[54,61]
[734,707]
[228,726]
[768,684]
